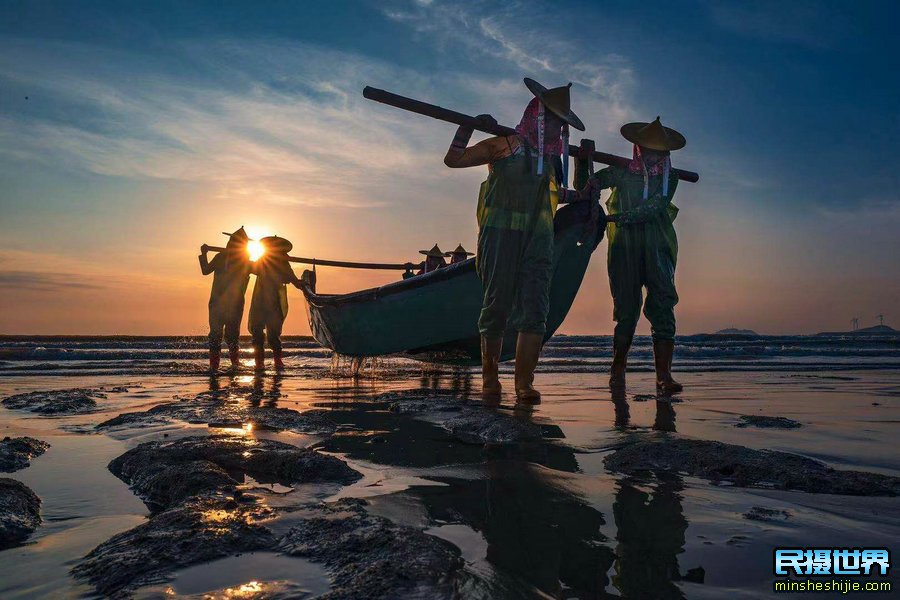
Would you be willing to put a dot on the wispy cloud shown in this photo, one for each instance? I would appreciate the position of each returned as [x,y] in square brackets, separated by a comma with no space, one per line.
[282,122]
[36,280]
[515,38]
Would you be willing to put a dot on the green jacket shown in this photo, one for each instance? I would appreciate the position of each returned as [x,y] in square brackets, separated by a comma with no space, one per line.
[656,213]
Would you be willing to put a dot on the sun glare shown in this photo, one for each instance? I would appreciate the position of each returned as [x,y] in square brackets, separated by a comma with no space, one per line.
[255,249]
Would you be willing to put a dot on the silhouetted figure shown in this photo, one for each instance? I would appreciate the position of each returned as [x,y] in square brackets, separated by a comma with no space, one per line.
[434,260]
[269,306]
[516,207]
[459,255]
[231,272]
[642,248]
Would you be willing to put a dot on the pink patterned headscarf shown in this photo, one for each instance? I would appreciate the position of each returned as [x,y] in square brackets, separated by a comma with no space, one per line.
[638,166]
[529,128]
[548,142]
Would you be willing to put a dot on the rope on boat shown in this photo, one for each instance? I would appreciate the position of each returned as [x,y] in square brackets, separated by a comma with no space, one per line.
[344,263]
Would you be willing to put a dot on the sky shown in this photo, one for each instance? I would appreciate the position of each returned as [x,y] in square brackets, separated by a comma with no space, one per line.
[131,133]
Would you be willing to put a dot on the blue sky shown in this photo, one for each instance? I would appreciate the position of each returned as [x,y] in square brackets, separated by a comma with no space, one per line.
[149,128]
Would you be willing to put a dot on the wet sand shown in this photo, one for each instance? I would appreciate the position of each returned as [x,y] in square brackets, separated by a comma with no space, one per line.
[529,517]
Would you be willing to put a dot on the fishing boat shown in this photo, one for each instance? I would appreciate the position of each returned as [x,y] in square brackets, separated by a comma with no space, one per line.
[433,317]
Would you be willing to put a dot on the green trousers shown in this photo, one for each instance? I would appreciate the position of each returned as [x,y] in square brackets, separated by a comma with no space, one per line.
[639,257]
[515,272]
[515,246]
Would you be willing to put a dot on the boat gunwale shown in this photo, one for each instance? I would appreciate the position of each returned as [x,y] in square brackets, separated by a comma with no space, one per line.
[388,289]
[569,215]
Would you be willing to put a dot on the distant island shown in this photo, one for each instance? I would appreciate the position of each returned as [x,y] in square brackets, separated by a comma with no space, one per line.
[875,330]
[734,331]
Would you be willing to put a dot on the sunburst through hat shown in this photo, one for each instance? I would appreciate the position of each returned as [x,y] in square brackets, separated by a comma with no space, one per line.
[273,243]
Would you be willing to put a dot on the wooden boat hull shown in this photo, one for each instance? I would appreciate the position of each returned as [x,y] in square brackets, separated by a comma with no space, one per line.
[434,317]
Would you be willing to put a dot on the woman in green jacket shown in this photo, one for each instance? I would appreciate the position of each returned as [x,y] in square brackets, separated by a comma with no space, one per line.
[515,237]
[643,248]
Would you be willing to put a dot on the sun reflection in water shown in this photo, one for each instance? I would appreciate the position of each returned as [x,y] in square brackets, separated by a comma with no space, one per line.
[244,429]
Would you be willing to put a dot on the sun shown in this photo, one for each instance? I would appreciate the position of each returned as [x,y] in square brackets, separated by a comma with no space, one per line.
[255,249]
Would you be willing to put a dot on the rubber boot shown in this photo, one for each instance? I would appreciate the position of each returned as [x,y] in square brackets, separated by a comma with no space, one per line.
[234,353]
[279,362]
[528,351]
[621,346]
[490,365]
[214,357]
[662,357]
[259,355]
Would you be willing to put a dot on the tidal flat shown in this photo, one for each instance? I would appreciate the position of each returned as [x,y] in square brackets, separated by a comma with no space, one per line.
[310,484]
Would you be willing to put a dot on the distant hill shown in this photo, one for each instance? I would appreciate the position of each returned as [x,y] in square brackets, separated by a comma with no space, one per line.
[734,331]
[876,330]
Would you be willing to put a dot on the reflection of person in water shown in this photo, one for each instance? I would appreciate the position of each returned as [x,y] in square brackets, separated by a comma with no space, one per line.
[542,532]
[260,395]
[650,525]
[665,412]
[650,529]
[620,406]
[665,416]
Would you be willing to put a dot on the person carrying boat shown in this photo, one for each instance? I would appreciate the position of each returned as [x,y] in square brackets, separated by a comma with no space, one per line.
[269,305]
[434,260]
[459,255]
[516,206]
[642,248]
[231,273]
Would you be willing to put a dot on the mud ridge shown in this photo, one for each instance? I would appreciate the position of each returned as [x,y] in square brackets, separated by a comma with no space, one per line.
[371,557]
[724,463]
[468,422]
[165,473]
[218,413]
[20,512]
[16,453]
[60,402]
[193,532]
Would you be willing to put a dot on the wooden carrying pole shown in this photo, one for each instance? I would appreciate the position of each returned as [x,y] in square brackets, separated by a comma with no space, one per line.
[451,116]
[343,263]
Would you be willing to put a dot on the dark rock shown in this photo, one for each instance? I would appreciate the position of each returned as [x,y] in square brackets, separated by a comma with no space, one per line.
[416,401]
[768,422]
[20,512]
[196,531]
[758,513]
[166,472]
[56,402]
[219,413]
[745,467]
[16,453]
[469,423]
[372,557]
[487,427]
